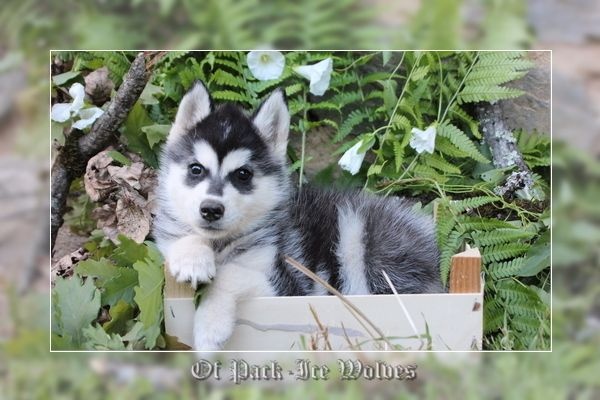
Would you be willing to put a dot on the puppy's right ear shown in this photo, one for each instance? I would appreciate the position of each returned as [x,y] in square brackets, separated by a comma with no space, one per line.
[195,106]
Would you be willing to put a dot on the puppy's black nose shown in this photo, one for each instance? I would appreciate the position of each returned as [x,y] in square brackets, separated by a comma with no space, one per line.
[211,210]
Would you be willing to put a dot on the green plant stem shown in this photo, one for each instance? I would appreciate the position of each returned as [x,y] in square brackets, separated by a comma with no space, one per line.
[303,146]
[462,82]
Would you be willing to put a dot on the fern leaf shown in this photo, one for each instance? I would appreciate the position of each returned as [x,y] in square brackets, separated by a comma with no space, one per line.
[500,236]
[461,141]
[293,89]
[493,312]
[224,78]
[505,269]
[437,162]
[351,121]
[467,119]
[229,95]
[474,94]
[344,99]
[483,224]
[505,251]
[459,206]
[452,245]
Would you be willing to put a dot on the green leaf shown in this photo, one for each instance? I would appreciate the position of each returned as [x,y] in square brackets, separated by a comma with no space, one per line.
[538,257]
[156,133]
[65,77]
[389,95]
[98,339]
[119,157]
[120,314]
[129,251]
[75,306]
[117,283]
[135,137]
[147,97]
[461,141]
[101,269]
[149,295]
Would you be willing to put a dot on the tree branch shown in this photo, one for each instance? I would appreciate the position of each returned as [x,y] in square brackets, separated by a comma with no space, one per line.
[79,148]
[505,152]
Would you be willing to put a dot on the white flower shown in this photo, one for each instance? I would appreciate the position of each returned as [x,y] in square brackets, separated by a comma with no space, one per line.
[423,140]
[63,111]
[88,116]
[319,75]
[352,160]
[266,65]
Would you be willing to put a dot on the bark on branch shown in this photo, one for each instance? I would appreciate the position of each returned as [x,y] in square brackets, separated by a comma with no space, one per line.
[505,152]
[79,148]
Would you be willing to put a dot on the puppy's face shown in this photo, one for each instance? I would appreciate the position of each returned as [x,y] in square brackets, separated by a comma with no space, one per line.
[223,171]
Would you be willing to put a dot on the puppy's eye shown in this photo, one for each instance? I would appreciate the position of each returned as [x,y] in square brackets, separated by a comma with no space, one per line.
[196,169]
[243,174]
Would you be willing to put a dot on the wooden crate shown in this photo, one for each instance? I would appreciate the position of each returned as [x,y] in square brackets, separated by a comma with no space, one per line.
[444,321]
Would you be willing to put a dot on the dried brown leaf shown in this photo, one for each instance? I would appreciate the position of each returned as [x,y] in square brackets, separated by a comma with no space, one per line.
[98,86]
[133,218]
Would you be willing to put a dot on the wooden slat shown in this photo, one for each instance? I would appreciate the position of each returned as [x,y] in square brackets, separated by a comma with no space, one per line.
[465,273]
[174,289]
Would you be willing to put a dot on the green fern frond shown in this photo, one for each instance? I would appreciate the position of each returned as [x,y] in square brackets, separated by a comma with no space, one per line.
[459,206]
[530,325]
[452,245]
[343,99]
[352,120]
[504,251]
[425,171]
[483,224]
[475,94]
[293,89]
[229,95]
[493,312]
[437,162]
[501,236]
[491,70]
[461,141]
[467,119]
[224,78]
[505,269]
[445,146]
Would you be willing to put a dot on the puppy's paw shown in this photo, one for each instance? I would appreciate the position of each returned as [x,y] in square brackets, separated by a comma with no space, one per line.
[213,322]
[191,261]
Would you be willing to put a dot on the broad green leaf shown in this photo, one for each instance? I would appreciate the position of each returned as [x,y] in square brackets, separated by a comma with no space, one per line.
[538,257]
[147,96]
[76,305]
[120,314]
[98,339]
[134,136]
[128,252]
[149,295]
[65,77]
[156,133]
[117,283]
[101,269]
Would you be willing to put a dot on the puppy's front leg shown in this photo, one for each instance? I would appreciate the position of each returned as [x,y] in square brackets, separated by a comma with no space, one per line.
[215,317]
[191,259]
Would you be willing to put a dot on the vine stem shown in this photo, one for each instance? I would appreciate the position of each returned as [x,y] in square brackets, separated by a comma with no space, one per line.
[303,148]
[451,102]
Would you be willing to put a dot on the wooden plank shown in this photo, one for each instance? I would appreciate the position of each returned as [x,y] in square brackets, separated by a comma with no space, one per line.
[454,322]
[174,289]
[465,273]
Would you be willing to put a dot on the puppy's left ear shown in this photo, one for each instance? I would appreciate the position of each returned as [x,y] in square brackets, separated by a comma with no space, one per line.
[272,119]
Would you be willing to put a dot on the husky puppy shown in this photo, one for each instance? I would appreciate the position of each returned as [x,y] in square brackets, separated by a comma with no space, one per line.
[228,215]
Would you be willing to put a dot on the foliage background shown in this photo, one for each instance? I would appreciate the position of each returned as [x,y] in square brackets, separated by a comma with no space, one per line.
[569,371]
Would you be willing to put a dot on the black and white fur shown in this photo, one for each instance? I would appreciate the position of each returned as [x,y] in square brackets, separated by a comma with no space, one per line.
[228,215]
